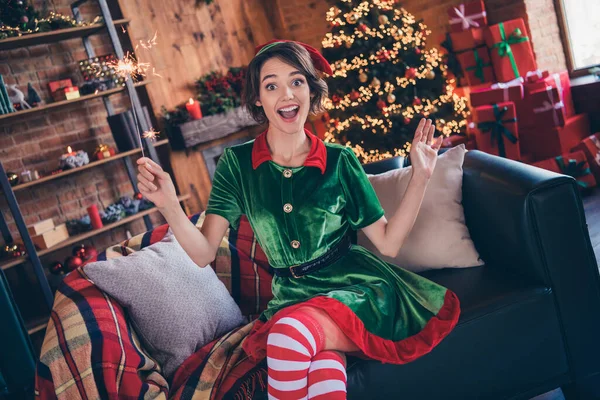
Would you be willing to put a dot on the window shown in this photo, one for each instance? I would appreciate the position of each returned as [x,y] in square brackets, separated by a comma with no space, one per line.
[580,23]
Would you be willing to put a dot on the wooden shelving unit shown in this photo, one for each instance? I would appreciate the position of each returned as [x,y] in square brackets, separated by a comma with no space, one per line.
[64,103]
[83,168]
[38,323]
[76,239]
[55,36]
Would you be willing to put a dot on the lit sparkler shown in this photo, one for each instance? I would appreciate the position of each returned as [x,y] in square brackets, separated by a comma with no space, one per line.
[150,134]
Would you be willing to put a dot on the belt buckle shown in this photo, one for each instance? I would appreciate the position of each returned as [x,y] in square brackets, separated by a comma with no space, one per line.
[292,272]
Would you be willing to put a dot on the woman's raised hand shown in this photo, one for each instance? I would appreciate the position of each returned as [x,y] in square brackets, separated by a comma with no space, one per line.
[424,149]
[155,184]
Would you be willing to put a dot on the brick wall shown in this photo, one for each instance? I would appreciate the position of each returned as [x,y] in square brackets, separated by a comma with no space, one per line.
[305,21]
[37,141]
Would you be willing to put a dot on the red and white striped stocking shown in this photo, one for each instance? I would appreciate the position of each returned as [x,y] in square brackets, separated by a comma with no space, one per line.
[327,377]
[292,342]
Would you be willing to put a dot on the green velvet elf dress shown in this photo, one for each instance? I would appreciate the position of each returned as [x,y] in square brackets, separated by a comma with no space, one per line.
[297,214]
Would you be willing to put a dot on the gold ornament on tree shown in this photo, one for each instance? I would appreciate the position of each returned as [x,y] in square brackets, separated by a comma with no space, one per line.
[383,19]
[391,98]
[348,45]
[375,83]
[430,75]
[363,77]
[352,18]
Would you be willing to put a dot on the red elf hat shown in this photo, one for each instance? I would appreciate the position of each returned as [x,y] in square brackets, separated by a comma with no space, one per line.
[318,60]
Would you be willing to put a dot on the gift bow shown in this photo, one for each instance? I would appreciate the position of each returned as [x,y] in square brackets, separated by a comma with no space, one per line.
[498,130]
[505,85]
[549,104]
[574,169]
[504,44]
[479,66]
[466,20]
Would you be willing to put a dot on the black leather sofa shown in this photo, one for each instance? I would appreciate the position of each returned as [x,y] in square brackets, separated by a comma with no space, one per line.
[530,317]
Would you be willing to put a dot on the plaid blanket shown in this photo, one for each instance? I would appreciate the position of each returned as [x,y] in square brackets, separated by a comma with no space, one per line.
[91,351]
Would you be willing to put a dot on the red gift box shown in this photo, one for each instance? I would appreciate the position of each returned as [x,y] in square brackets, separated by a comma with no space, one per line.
[496,130]
[561,81]
[534,76]
[467,16]
[498,93]
[573,164]
[476,66]
[510,49]
[547,110]
[548,142]
[467,40]
[591,148]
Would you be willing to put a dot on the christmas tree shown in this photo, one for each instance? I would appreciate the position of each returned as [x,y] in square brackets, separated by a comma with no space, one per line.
[385,80]
[17,14]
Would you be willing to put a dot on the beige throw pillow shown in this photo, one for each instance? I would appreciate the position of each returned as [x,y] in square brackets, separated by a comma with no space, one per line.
[439,238]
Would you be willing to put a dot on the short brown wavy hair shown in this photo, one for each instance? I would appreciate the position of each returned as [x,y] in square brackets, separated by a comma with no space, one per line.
[295,55]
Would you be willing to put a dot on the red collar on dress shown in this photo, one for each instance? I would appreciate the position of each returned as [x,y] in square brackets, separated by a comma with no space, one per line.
[317,157]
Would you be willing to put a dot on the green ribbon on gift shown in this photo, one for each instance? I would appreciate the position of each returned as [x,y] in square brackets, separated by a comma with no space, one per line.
[497,129]
[479,66]
[574,169]
[504,44]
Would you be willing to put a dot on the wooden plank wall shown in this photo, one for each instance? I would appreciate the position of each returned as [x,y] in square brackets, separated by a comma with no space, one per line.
[192,41]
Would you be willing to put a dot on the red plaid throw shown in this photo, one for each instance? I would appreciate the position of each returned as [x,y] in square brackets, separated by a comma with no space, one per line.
[91,351]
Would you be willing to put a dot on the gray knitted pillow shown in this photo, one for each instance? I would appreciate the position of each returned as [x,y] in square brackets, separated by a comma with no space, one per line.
[175,306]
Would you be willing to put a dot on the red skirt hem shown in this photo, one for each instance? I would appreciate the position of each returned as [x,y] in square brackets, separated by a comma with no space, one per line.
[371,345]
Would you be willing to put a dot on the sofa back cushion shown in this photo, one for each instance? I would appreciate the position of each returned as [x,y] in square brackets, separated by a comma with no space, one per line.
[440,237]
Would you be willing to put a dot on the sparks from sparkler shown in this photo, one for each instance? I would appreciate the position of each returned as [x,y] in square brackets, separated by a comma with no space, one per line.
[130,68]
[150,134]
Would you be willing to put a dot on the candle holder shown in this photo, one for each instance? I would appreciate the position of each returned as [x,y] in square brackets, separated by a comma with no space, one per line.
[73,159]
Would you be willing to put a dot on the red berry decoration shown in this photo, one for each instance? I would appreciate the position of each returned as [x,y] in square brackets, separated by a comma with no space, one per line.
[406,120]
[410,73]
[336,99]
[417,51]
[138,196]
[354,95]
[381,104]
[362,27]
[57,268]
[73,263]
[417,101]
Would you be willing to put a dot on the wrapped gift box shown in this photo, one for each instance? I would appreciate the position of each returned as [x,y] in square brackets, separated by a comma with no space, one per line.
[534,76]
[40,227]
[496,130]
[573,164]
[51,237]
[510,48]
[561,81]
[547,142]
[591,148]
[467,40]
[498,93]
[467,16]
[476,66]
[544,110]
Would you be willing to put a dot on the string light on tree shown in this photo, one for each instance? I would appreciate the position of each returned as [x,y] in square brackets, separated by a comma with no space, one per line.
[387,82]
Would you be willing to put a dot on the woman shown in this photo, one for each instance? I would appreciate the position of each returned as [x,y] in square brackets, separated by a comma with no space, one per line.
[302,196]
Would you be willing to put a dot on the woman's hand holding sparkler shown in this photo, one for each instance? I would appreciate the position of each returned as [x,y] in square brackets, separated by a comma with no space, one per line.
[156,185]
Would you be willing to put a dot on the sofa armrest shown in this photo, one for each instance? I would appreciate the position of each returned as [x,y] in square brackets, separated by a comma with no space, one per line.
[532,221]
